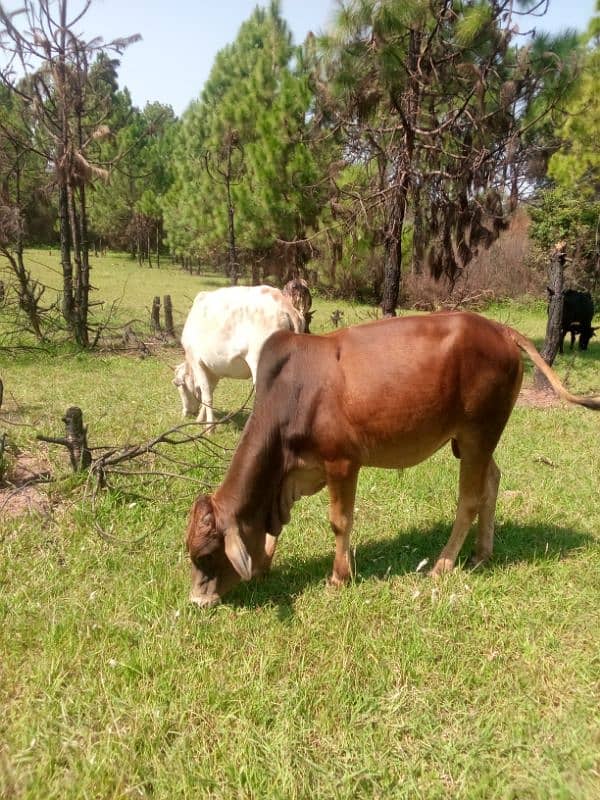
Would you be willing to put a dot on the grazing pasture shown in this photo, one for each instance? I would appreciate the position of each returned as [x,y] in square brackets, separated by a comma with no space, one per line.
[484,684]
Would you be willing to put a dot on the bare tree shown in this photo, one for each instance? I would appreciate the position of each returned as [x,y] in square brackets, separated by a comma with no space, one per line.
[29,290]
[48,66]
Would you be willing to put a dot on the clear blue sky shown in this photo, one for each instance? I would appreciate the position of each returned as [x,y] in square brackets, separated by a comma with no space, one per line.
[182,37]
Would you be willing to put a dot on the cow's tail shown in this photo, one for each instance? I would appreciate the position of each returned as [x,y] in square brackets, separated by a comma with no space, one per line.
[528,347]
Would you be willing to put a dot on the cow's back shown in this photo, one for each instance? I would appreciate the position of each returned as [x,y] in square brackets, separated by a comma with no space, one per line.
[224,327]
[577,307]
[374,390]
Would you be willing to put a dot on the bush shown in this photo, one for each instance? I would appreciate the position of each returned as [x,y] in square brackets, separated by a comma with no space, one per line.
[508,270]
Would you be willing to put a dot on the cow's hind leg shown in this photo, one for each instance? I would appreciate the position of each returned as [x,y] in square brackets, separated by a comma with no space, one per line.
[484,543]
[341,484]
[471,499]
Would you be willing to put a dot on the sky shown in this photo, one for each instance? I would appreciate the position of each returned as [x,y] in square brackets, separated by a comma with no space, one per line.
[180,38]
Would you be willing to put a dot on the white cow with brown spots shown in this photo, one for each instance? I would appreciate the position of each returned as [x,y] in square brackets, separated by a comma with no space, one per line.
[222,338]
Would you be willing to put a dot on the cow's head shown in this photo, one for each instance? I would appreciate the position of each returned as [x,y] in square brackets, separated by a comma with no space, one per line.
[219,555]
[184,382]
[585,336]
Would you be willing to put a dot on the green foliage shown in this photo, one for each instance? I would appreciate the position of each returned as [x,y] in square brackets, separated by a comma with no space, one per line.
[570,209]
[439,99]
[561,215]
[139,152]
[257,97]
[23,170]
[576,165]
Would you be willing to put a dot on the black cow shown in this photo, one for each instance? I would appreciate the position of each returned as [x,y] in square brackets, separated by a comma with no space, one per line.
[577,315]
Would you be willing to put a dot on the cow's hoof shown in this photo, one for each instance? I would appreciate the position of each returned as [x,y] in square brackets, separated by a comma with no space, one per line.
[442,567]
[477,562]
[336,582]
[205,600]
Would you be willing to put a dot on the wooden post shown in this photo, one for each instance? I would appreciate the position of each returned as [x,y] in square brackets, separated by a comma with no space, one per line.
[168,309]
[555,310]
[155,315]
[76,438]
[1,392]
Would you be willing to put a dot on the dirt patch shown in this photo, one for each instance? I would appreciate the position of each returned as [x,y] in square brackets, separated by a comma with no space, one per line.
[533,398]
[20,492]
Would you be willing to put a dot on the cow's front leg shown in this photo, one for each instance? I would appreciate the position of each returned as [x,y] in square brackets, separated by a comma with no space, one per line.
[205,386]
[341,483]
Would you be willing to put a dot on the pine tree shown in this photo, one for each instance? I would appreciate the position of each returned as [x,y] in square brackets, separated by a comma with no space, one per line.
[245,173]
[436,102]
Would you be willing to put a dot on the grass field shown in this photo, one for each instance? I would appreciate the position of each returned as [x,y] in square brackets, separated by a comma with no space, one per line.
[484,684]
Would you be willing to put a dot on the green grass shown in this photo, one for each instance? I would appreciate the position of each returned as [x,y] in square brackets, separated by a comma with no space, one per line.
[482,685]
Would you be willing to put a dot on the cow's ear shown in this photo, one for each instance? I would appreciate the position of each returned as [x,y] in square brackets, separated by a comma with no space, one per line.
[236,552]
[202,536]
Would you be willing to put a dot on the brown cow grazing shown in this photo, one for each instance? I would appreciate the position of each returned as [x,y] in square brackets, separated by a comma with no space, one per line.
[384,394]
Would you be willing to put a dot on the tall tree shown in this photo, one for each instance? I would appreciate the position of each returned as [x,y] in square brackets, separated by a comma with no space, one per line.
[244,171]
[436,99]
[41,41]
[568,207]
[126,211]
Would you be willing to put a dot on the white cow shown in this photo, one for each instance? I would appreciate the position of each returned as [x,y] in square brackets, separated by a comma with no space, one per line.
[222,338]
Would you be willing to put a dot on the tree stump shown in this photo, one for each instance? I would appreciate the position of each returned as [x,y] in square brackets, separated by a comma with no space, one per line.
[168,309]
[555,310]
[75,440]
[155,315]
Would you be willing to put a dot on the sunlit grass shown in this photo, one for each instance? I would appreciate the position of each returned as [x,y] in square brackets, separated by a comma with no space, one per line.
[483,685]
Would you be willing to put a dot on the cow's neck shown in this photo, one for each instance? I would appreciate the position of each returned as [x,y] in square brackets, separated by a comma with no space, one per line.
[249,494]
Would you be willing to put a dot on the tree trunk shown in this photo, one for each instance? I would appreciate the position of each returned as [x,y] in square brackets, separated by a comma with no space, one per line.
[83,300]
[391,277]
[418,248]
[68,309]
[555,310]
[233,266]
[392,270]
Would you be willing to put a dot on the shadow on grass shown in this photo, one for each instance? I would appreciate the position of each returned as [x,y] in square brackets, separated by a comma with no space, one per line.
[237,420]
[400,556]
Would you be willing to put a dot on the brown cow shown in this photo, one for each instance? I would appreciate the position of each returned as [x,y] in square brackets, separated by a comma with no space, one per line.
[384,394]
